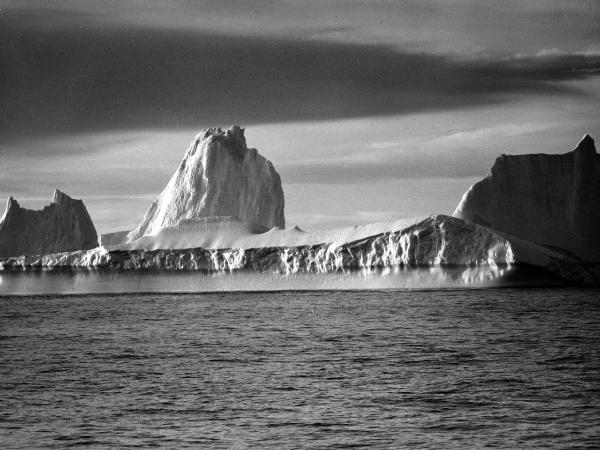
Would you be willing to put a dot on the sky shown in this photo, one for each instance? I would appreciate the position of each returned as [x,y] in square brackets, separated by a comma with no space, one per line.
[369,110]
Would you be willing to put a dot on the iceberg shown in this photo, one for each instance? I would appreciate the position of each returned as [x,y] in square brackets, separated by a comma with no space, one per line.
[549,200]
[62,226]
[437,240]
[222,212]
[218,177]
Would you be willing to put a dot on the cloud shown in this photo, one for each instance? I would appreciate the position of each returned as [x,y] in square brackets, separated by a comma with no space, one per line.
[417,164]
[440,145]
[431,26]
[68,79]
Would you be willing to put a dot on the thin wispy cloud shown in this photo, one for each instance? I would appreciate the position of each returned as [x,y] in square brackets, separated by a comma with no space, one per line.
[441,27]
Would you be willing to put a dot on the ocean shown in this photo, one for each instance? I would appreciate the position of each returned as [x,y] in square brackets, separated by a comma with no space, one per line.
[505,368]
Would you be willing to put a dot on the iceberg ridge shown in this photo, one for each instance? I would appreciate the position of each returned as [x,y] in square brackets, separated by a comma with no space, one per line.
[437,240]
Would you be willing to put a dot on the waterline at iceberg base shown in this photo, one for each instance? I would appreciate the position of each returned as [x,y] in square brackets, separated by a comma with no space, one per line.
[96,281]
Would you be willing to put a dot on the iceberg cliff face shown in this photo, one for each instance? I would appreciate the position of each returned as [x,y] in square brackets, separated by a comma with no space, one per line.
[219,176]
[551,200]
[435,241]
[62,226]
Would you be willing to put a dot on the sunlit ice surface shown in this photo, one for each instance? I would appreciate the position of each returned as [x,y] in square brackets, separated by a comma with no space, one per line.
[94,281]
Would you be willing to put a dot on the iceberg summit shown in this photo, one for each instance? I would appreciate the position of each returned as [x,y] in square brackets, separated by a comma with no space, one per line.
[223,211]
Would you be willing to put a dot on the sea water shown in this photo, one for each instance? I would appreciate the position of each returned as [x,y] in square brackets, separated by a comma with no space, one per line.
[317,369]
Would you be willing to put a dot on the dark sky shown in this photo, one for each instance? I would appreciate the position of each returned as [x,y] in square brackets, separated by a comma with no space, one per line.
[81,75]
[99,98]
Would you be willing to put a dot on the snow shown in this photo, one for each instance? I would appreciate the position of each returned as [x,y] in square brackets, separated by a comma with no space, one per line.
[227,232]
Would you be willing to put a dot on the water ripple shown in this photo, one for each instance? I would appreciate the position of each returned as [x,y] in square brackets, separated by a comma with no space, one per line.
[494,368]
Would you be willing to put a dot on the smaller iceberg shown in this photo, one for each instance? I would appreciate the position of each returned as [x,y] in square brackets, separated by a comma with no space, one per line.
[62,226]
[550,200]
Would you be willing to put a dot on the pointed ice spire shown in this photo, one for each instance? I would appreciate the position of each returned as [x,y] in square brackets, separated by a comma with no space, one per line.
[586,145]
[11,203]
[59,196]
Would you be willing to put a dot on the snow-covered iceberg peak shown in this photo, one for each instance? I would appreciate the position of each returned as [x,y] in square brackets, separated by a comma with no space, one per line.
[219,176]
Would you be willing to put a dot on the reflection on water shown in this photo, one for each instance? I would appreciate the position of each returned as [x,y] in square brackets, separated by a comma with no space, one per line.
[91,281]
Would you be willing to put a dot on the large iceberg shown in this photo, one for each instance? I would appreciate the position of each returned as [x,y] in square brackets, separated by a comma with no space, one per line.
[222,211]
[550,200]
[62,226]
[436,241]
[218,177]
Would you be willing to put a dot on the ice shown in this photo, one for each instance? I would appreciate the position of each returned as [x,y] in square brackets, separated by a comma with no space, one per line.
[64,225]
[218,177]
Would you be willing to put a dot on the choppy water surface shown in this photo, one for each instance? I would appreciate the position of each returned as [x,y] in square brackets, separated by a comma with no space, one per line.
[500,367]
